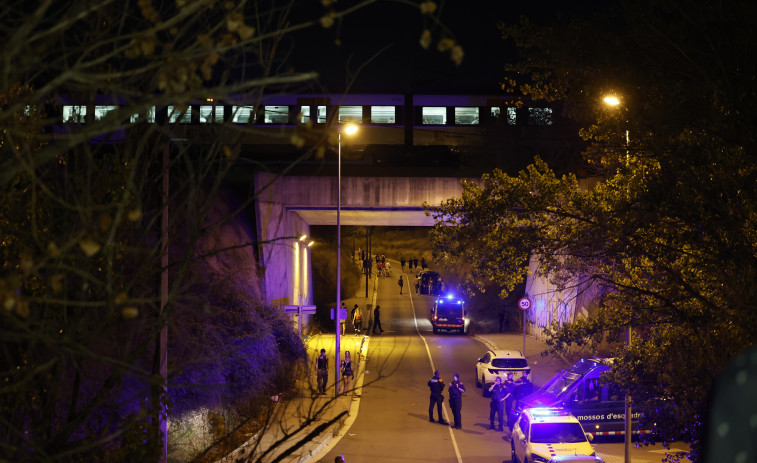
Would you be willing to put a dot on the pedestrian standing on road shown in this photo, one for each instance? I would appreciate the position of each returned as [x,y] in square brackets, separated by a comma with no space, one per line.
[501,320]
[436,385]
[509,399]
[322,367]
[417,284]
[377,320]
[497,404]
[523,386]
[401,283]
[357,320]
[423,263]
[402,263]
[456,389]
[415,262]
[343,320]
[347,373]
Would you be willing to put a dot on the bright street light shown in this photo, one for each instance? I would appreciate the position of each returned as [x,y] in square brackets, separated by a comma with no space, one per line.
[348,129]
[611,100]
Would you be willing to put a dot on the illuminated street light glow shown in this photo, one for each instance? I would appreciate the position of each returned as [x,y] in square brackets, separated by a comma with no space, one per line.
[611,100]
[350,129]
[303,237]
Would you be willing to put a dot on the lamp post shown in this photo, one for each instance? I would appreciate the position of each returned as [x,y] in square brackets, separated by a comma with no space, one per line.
[613,101]
[348,129]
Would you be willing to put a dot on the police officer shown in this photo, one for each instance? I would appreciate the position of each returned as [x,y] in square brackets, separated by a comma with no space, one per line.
[456,389]
[497,404]
[436,385]
[523,386]
[509,386]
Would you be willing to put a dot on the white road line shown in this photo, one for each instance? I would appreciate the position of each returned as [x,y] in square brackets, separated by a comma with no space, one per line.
[433,368]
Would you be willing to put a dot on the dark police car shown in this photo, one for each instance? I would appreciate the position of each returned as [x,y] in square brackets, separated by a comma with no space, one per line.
[598,406]
[448,313]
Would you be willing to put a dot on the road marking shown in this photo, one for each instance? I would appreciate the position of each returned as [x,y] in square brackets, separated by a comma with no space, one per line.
[433,368]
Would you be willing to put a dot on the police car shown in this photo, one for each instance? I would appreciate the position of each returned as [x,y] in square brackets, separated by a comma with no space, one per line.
[541,434]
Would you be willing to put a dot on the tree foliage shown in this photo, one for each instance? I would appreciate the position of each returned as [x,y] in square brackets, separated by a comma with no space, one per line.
[83,203]
[665,230]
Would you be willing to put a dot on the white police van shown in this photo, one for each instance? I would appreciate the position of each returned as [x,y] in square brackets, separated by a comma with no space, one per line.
[598,406]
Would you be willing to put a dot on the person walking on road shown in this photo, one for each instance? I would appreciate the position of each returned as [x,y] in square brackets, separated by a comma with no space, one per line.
[357,320]
[497,404]
[402,263]
[322,367]
[377,320]
[436,385]
[347,373]
[456,389]
[401,283]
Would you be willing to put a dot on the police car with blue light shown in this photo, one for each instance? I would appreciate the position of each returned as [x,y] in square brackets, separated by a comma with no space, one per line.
[598,405]
[448,313]
[543,433]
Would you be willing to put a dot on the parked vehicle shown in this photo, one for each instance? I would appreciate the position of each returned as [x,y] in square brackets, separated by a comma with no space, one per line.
[599,406]
[543,433]
[499,363]
[431,283]
[448,313]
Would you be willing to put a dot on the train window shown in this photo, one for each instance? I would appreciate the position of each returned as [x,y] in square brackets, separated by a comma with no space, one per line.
[350,114]
[181,115]
[466,116]
[242,114]
[211,113]
[276,114]
[434,115]
[383,114]
[101,111]
[304,114]
[495,112]
[74,114]
[540,116]
[148,116]
[321,114]
[511,116]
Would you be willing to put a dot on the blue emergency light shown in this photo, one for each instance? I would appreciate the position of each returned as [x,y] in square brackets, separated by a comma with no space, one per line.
[548,411]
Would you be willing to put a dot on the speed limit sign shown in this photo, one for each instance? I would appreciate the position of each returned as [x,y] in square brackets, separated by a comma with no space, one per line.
[524,303]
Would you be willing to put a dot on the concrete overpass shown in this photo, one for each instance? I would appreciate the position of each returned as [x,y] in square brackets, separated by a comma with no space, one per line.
[286,207]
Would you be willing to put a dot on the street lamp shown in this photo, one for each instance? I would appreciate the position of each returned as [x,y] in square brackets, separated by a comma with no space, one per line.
[348,129]
[613,101]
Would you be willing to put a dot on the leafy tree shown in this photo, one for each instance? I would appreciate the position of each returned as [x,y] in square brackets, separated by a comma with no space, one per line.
[82,224]
[664,231]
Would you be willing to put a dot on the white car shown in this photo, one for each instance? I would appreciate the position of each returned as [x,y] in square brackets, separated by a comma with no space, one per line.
[499,363]
[542,433]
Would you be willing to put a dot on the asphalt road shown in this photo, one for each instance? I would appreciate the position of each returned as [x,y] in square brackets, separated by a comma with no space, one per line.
[392,422]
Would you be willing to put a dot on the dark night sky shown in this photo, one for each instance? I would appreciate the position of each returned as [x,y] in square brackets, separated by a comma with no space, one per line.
[404,65]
